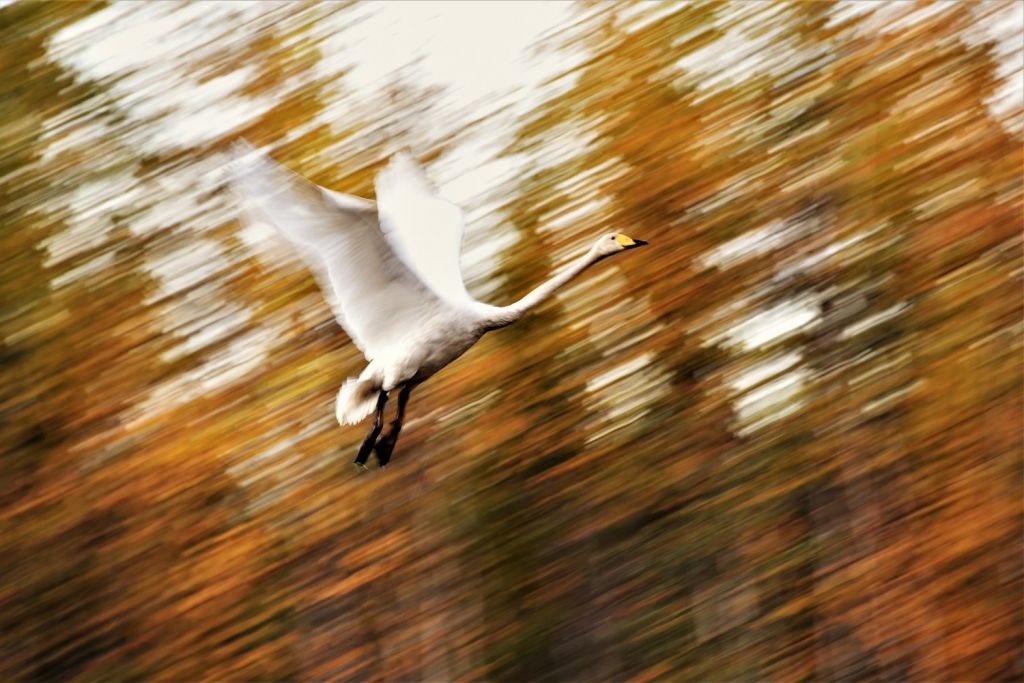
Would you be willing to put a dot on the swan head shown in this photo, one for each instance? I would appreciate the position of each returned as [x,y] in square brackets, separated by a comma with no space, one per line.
[614,243]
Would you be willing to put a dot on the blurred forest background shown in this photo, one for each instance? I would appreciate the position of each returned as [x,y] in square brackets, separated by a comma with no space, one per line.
[784,442]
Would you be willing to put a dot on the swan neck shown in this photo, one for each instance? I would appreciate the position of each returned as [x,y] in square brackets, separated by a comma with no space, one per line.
[506,315]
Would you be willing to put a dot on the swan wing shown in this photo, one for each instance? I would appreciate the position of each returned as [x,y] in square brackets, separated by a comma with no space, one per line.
[375,296]
[424,229]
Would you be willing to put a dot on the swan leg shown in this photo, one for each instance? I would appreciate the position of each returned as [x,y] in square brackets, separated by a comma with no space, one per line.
[378,423]
[386,444]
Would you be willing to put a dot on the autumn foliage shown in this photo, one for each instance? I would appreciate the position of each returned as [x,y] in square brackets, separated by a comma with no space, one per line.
[781,443]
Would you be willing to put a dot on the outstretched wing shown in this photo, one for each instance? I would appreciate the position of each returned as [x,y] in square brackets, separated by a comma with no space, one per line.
[425,230]
[374,295]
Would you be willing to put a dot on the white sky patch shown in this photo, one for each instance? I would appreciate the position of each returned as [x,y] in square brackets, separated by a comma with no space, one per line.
[148,48]
[474,49]
[470,177]
[177,274]
[750,243]
[88,223]
[761,416]
[773,400]
[775,323]
[619,372]
[778,391]
[755,374]
[870,321]
[624,391]
[751,48]
[195,113]
[207,329]
[849,9]
[1007,29]
[780,379]
[897,15]
[822,256]
[231,364]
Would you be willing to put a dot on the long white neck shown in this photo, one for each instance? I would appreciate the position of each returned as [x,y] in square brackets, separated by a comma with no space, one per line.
[500,316]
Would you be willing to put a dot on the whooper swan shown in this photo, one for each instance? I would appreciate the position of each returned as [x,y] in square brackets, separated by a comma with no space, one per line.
[390,271]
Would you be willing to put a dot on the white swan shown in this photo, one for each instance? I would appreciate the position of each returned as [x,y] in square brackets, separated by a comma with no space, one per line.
[390,271]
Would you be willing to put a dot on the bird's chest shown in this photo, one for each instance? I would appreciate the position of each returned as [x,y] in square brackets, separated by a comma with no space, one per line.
[440,346]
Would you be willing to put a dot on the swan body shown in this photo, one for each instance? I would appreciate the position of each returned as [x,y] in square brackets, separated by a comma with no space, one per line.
[436,338]
[390,271]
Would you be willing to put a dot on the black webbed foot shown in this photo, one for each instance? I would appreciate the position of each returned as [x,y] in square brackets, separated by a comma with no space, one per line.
[378,422]
[385,446]
[364,454]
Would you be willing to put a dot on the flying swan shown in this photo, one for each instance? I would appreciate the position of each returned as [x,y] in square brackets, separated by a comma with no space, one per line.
[390,271]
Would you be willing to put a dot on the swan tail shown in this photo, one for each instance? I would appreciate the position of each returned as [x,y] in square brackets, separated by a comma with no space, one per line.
[356,399]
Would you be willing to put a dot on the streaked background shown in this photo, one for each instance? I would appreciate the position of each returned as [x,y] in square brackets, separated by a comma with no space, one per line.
[781,443]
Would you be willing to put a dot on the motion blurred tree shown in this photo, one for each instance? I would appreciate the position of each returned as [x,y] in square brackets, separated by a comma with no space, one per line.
[665,176]
[871,214]
[685,175]
[75,359]
[781,442]
[107,510]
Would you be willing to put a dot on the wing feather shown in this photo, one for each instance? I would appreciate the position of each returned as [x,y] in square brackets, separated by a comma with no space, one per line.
[424,229]
[375,296]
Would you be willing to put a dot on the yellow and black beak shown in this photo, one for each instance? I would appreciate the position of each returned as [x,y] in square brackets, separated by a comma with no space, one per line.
[628,242]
